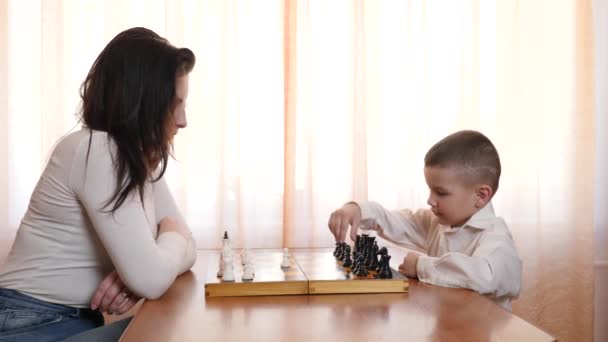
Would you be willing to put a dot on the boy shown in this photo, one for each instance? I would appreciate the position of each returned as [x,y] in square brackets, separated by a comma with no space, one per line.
[467,246]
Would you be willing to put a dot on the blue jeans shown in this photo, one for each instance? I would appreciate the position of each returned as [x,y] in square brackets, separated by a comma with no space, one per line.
[24,318]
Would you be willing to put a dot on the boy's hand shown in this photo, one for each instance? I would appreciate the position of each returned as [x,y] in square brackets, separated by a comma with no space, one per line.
[408,267]
[349,214]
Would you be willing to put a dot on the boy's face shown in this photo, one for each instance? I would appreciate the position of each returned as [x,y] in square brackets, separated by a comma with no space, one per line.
[452,200]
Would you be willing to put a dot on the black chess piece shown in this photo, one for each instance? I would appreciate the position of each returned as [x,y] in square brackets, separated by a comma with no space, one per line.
[361,271]
[342,252]
[357,243]
[358,264]
[374,264]
[225,234]
[374,256]
[347,260]
[383,251]
[368,255]
[386,272]
[337,249]
[370,241]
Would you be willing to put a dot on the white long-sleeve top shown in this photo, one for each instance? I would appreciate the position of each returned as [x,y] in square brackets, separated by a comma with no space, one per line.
[67,242]
[480,255]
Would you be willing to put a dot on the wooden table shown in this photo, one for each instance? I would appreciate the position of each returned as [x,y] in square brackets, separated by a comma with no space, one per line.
[426,313]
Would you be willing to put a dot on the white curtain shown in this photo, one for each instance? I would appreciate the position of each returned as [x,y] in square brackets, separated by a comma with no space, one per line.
[297,106]
[600,16]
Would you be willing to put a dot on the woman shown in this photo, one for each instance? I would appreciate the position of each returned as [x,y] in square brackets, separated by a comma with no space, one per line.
[102,229]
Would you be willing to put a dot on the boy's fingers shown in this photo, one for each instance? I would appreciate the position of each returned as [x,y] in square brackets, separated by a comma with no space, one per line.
[332,224]
[343,228]
[354,228]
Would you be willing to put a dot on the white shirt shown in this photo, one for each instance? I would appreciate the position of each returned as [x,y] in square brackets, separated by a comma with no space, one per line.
[480,255]
[67,243]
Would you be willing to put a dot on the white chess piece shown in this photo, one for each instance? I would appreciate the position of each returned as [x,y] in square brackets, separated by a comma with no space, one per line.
[248,272]
[285,263]
[226,251]
[228,272]
[220,269]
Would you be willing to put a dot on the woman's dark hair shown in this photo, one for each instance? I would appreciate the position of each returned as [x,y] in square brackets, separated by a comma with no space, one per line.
[130,94]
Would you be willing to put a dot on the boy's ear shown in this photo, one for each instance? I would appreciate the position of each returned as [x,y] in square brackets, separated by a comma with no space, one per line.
[484,193]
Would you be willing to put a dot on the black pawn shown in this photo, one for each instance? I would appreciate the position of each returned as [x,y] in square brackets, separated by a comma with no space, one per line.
[337,249]
[386,272]
[348,262]
[342,252]
[361,271]
[225,234]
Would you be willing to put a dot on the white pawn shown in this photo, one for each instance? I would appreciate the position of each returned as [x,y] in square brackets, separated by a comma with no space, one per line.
[285,263]
[248,272]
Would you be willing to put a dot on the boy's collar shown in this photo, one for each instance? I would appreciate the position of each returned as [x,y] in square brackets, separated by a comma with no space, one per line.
[483,218]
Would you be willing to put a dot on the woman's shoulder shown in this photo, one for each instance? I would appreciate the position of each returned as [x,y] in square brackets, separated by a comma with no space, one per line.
[72,142]
[76,147]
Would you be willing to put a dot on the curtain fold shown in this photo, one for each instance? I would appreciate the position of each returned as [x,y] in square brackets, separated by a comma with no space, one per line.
[297,106]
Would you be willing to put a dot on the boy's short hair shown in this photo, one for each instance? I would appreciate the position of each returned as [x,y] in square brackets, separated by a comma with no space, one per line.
[471,151]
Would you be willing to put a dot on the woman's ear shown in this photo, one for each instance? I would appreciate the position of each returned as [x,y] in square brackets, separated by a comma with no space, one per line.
[484,193]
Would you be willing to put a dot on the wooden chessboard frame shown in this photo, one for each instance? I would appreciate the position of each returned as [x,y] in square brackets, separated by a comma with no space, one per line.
[312,271]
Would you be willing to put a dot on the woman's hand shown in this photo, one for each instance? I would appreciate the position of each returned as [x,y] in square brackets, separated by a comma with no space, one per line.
[112,296]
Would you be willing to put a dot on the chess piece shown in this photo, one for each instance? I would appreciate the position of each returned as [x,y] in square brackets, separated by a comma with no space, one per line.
[357,243]
[228,273]
[285,263]
[359,264]
[374,264]
[342,253]
[220,268]
[348,262]
[248,272]
[375,248]
[368,255]
[361,271]
[337,249]
[385,272]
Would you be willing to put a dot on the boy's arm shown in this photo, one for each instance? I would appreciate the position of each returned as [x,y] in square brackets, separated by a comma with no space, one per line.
[402,227]
[493,269]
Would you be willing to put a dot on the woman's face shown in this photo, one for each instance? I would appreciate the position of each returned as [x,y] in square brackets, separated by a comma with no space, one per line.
[179,111]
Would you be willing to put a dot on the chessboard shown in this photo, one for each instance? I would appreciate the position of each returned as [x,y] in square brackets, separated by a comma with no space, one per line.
[310,271]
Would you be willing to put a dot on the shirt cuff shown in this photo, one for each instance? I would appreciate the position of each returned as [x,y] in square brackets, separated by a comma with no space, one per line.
[367,218]
[424,269]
